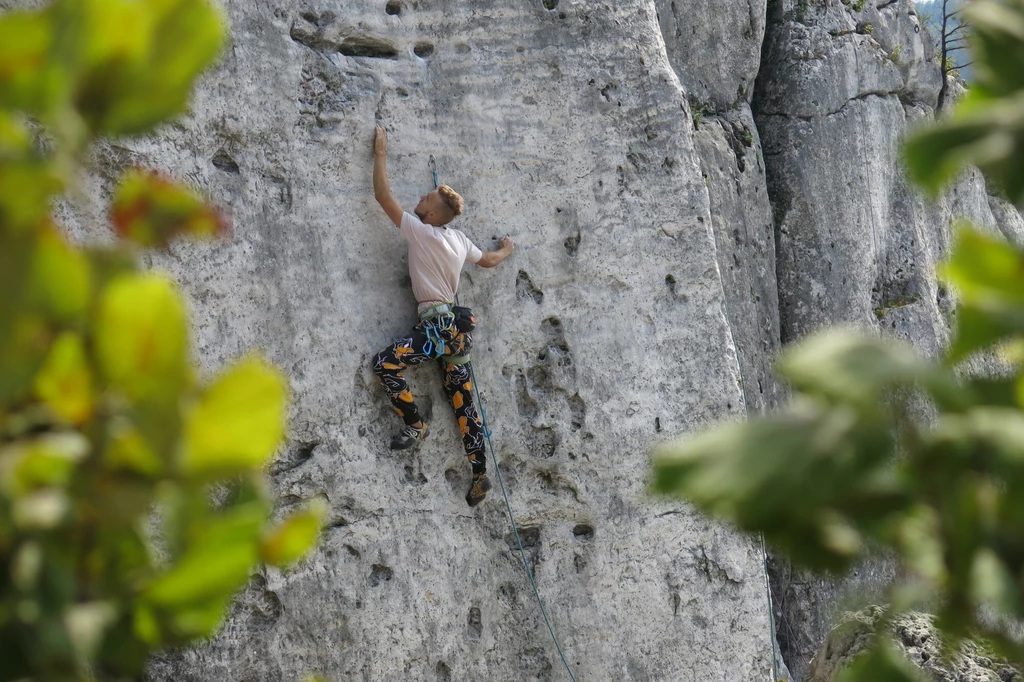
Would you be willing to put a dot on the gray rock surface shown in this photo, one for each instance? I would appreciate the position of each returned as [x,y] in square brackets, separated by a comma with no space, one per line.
[605,333]
[841,83]
[674,225]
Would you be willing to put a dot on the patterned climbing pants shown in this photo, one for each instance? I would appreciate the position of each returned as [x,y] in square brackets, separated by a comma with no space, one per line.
[419,347]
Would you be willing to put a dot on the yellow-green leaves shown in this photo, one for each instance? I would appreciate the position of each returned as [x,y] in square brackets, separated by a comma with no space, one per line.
[41,462]
[25,66]
[61,284]
[295,536]
[238,422]
[137,60]
[150,210]
[142,339]
[65,381]
[132,501]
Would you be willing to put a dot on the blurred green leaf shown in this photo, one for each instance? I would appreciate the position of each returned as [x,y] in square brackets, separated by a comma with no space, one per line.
[65,380]
[986,129]
[881,663]
[209,573]
[841,365]
[27,181]
[61,283]
[754,474]
[141,338]
[139,60]
[986,272]
[241,523]
[295,536]
[42,461]
[23,350]
[26,71]
[127,450]
[238,422]
[150,210]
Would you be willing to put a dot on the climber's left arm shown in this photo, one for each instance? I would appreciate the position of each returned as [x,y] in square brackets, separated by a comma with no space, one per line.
[492,259]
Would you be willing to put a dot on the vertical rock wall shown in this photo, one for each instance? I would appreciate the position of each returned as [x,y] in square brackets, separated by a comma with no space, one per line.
[564,124]
[674,224]
[841,83]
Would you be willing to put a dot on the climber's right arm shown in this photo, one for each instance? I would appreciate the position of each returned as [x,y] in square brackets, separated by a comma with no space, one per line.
[381,190]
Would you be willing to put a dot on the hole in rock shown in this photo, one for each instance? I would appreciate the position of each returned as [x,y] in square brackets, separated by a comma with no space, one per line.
[550,4]
[584,531]
[223,161]
[474,623]
[367,46]
[572,244]
[424,49]
[414,477]
[394,8]
[380,574]
[444,673]
[530,535]
[525,288]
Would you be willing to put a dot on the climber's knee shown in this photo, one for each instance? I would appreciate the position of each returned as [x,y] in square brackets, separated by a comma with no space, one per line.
[380,361]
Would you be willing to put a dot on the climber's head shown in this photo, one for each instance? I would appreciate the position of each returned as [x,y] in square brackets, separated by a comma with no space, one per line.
[440,206]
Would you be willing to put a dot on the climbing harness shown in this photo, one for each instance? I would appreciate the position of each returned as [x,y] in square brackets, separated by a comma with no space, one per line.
[504,491]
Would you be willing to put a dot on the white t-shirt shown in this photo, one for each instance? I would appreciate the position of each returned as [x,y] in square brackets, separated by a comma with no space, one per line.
[436,257]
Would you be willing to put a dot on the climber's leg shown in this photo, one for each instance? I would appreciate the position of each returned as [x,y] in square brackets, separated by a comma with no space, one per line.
[388,365]
[458,385]
[459,388]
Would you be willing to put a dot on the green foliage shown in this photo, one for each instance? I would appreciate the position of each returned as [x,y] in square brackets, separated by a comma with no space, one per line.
[851,464]
[699,110]
[132,500]
[895,54]
[987,127]
[883,448]
[881,663]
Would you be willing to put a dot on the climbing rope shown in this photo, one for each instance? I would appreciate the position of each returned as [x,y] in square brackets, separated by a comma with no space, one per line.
[504,492]
[515,528]
[776,655]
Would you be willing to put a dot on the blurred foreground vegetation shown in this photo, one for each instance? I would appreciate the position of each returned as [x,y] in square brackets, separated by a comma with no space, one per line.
[132,500]
[881,447]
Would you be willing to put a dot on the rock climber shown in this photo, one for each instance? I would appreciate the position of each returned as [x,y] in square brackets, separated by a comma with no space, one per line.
[436,256]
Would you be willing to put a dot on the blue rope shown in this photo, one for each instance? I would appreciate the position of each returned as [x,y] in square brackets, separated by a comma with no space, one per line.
[504,493]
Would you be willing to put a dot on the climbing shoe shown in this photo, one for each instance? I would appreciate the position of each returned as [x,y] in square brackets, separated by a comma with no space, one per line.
[408,437]
[478,491]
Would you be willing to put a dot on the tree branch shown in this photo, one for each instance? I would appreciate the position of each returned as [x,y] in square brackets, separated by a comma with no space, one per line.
[951,31]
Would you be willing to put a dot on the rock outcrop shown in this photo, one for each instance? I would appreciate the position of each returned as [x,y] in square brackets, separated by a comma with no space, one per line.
[690,184]
[841,83]
[916,638]
[564,124]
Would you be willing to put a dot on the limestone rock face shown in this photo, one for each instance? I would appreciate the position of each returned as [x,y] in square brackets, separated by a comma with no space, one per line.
[689,184]
[565,125]
[840,85]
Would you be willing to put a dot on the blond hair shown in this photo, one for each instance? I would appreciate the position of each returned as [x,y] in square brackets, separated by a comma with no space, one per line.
[451,199]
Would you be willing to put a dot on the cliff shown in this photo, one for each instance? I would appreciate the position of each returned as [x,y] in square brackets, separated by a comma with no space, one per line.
[689,183]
